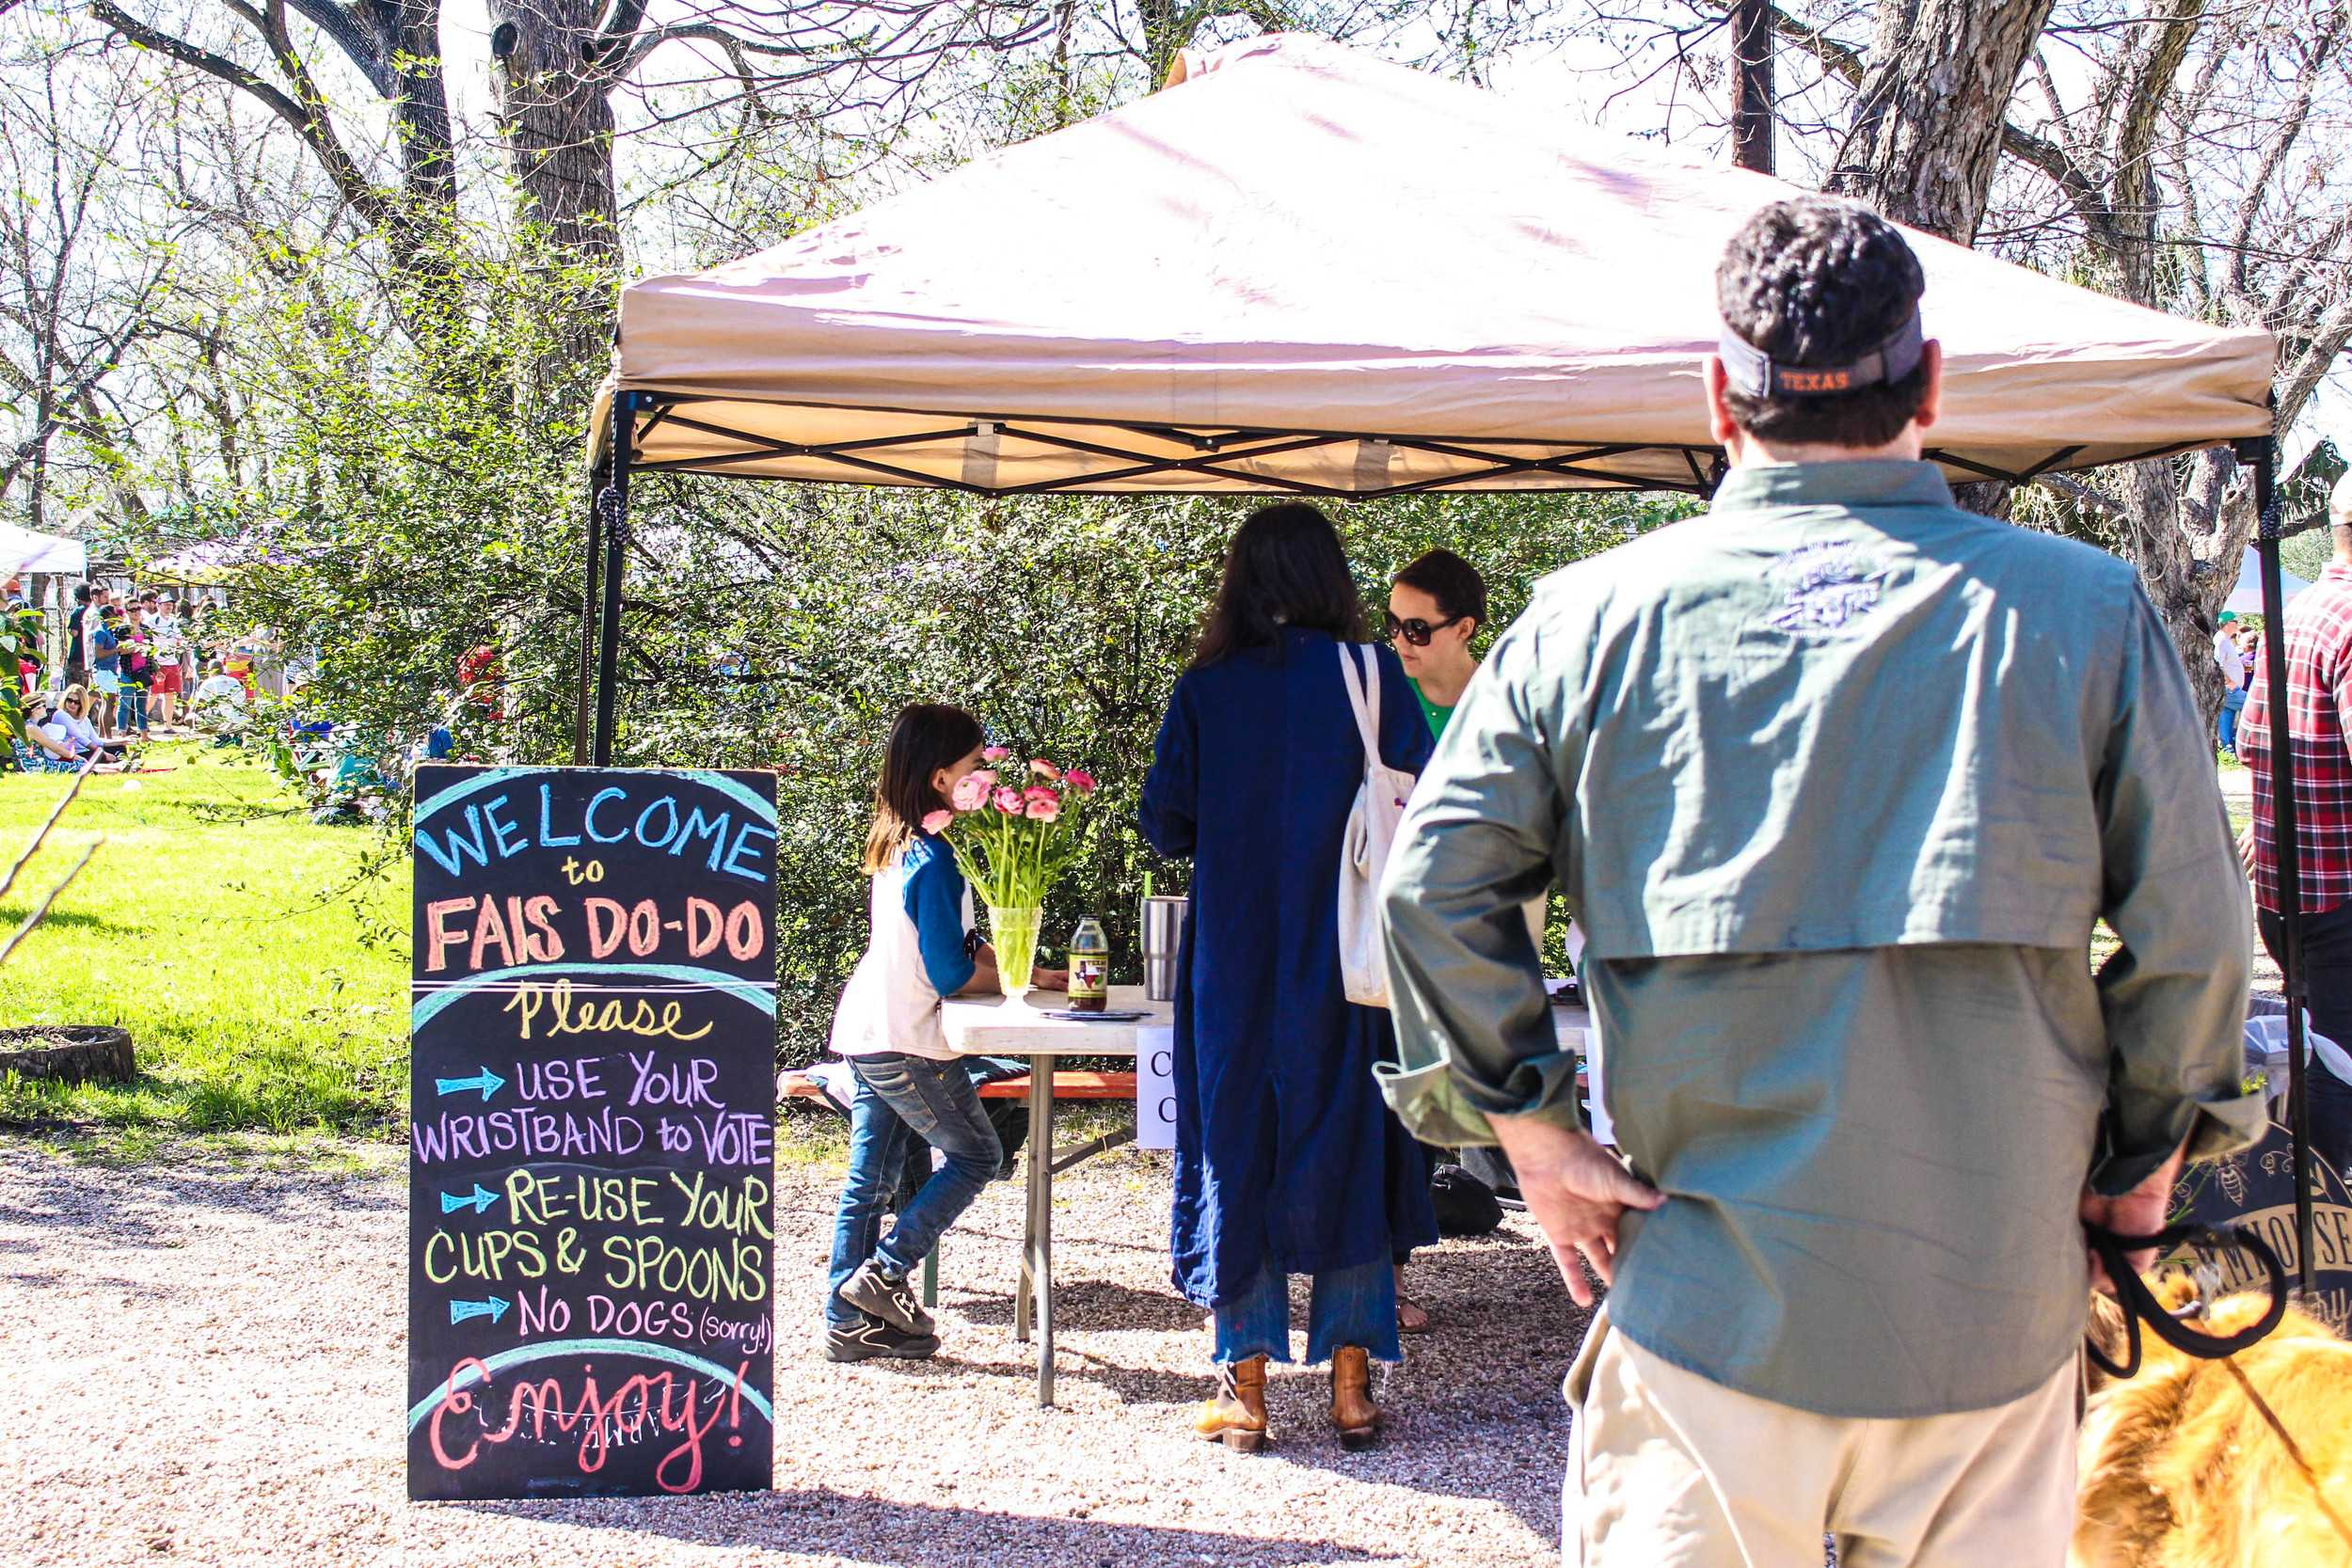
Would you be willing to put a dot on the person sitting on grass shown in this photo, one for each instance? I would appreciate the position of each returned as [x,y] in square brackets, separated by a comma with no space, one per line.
[922,951]
[218,702]
[45,748]
[65,732]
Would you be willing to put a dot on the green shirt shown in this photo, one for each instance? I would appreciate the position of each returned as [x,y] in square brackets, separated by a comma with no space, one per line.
[1435,716]
[1837,780]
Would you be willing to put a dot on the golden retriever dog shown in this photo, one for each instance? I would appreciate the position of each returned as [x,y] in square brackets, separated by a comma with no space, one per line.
[2180,1471]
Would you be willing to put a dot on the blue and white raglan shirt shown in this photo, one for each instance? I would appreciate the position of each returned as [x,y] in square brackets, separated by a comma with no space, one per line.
[921,951]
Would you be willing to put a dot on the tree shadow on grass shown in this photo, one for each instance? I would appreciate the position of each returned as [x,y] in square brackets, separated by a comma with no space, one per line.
[818,1522]
[77,920]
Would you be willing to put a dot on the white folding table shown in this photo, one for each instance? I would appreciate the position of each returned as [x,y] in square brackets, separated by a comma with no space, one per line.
[989,1028]
[1012,1027]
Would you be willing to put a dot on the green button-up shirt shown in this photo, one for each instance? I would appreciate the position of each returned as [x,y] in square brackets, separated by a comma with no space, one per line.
[1837,778]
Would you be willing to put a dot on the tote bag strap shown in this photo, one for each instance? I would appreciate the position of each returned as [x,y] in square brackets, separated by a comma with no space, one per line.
[1363,695]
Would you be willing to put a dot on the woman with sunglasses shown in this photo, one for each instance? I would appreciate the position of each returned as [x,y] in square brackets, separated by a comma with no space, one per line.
[70,724]
[1435,606]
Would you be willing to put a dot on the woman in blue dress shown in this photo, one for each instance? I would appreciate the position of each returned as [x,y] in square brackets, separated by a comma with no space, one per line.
[1287,1160]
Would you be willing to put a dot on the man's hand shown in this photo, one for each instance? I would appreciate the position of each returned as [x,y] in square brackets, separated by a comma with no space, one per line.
[1576,1190]
[2137,1212]
[2246,848]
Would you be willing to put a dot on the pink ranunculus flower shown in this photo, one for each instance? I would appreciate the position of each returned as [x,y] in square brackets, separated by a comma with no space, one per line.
[1079,779]
[1009,801]
[970,794]
[1045,805]
[1044,770]
[994,753]
[986,775]
[936,820]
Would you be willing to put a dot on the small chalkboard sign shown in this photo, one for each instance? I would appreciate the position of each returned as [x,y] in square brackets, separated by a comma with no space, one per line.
[2257,1189]
[593,1108]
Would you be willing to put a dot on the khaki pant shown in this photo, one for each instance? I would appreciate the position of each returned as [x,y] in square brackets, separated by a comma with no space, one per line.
[1670,1470]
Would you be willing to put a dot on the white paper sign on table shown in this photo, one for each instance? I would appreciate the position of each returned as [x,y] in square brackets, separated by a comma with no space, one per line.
[1594,1106]
[1156,1087]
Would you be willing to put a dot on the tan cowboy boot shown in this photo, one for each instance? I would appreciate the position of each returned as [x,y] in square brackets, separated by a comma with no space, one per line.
[1237,1417]
[1352,1410]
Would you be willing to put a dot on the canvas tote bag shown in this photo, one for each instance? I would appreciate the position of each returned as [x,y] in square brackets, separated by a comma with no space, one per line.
[1371,825]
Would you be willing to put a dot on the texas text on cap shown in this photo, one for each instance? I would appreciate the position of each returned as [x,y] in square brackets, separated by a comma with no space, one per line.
[1753,374]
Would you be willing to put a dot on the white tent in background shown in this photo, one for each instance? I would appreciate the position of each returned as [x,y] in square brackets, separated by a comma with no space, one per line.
[2247,597]
[23,550]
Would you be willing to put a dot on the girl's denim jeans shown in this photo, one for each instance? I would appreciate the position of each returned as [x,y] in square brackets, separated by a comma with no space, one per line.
[900,1096]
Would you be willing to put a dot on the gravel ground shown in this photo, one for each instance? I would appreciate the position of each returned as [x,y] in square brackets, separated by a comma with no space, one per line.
[206,1364]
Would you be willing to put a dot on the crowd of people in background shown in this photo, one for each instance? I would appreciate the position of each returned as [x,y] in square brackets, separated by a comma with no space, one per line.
[2234,645]
[135,665]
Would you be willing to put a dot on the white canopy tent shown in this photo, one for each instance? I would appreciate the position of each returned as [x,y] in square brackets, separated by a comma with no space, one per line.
[1300,270]
[23,550]
[2247,597]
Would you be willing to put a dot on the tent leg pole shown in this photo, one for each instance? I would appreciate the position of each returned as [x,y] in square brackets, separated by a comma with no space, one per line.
[2290,850]
[622,449]
[584,702]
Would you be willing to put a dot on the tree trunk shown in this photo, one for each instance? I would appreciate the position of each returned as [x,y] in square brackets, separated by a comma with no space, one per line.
[1927,118]
[412,32]
[558,122]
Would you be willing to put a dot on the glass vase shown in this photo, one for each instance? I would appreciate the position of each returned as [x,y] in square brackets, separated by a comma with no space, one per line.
[1013,932]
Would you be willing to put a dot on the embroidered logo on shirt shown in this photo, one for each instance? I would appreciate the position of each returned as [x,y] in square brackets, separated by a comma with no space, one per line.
[1823,586]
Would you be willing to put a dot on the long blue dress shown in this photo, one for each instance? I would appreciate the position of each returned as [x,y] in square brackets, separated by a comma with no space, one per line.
[1286,1156]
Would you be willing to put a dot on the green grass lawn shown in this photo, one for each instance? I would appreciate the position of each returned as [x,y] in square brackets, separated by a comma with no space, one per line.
[261,975]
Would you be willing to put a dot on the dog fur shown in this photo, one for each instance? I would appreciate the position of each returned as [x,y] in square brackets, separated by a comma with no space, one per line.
[2179,1470]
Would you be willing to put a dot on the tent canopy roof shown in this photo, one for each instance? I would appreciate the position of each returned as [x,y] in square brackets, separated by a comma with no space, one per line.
[1299,268]
[23,550]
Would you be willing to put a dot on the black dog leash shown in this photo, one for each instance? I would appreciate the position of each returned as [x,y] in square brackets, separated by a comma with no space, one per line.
[2140,1305]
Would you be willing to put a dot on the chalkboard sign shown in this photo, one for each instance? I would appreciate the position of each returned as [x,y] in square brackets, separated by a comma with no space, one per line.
[2257,1189]
[591,1229]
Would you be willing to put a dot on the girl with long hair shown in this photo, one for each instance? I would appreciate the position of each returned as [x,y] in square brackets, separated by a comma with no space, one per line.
[910,1084]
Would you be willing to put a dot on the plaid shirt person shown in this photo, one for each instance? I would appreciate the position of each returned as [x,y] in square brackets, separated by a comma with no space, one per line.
[2319,695]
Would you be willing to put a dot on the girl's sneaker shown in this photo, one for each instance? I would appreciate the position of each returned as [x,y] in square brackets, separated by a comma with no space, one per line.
[879,1294]
[870,1338]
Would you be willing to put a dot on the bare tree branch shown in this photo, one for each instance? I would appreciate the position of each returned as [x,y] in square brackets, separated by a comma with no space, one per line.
[307,123]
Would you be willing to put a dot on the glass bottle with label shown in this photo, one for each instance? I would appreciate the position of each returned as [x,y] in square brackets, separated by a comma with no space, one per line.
[1089,968]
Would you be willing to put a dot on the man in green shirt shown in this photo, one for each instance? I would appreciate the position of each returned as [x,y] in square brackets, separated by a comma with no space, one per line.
[1837,779]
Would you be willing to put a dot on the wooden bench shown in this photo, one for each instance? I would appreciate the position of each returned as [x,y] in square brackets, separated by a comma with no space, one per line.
[1067,1085]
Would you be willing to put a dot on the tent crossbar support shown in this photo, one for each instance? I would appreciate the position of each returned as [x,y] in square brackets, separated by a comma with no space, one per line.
[1148,464]
[1567,465]
[1937,455]
[2047,464]
[661,413]
[763,446]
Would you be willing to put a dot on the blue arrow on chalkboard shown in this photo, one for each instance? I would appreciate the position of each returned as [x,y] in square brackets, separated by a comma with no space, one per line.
[487,1081]
[493,1309]
[480,1202]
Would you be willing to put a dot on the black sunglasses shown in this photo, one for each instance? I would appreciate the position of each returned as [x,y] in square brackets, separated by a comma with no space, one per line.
[1416,631]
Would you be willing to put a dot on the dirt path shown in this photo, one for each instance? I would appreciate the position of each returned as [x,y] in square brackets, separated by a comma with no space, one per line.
[206,1365]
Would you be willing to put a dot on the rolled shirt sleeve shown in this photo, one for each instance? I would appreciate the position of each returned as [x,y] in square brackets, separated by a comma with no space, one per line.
[2173,998]
[1473,1026]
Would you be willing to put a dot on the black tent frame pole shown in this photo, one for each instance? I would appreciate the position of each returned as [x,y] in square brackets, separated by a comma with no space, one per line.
[584,702]
[2290,848]
[622,453]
